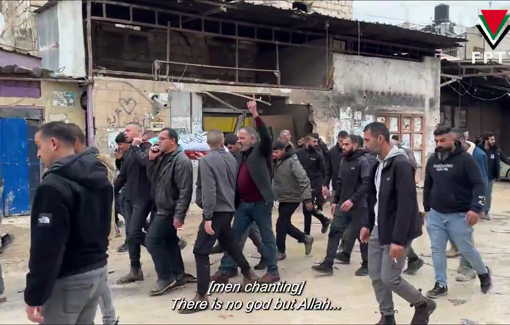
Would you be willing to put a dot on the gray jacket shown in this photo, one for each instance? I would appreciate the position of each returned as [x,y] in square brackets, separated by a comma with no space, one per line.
[290,181]
[216,183]
[171,184]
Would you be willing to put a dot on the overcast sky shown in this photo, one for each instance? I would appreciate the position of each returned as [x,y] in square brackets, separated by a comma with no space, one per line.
[463,13]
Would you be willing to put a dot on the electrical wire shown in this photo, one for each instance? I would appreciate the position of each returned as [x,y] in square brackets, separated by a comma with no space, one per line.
[467,92]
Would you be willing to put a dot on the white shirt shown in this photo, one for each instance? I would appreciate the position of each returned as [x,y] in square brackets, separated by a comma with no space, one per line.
[377,181]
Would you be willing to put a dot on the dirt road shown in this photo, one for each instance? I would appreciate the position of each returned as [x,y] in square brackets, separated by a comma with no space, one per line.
[353,294]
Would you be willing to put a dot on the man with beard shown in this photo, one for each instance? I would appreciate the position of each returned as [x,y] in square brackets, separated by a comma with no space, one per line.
[494,156]
[254,197]
[314,164]
[335,157]
[216,184]
[291,186]
[138,201]
[285,137]
[350,202]
[171,177]
[120,198]
[70,224]
[393,222]
[232,143]
[453,196]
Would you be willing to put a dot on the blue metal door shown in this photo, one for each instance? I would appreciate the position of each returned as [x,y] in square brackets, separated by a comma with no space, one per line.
[34,164]
[14,161]
[1,178]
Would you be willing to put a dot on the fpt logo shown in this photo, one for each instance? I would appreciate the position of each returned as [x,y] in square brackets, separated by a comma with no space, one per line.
[493,25]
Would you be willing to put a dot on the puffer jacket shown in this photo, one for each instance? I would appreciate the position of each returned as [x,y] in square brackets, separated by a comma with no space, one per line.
[291,184]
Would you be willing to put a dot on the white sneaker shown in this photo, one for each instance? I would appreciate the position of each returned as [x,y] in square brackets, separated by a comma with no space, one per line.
[485,216]
[466,274]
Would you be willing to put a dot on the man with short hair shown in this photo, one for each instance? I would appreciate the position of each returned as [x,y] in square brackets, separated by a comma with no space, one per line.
[453,196]
[70,224]
[465,270]
[171,177]
[494,157]
[133,175]
[314,164]
[292,187]
[216,186]
[148,135]
[465,133]
[350,203]
[105,300]
[232,143]
[254,196]
[334,157]
[393,222]
[120,198]
[285,137]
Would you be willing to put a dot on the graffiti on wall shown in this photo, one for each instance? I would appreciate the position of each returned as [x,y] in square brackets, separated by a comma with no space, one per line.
[111,134]
[326,113]
[125,113]
[181,125]
[63,98]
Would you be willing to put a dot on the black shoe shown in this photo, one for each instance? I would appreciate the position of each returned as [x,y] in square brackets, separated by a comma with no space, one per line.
[261,266]
[7,240]
[216,249]
[123,248]
[325,225]
[343,258]
[437,292]
[280,256]
[387,320]
[413,267]
[423,311]
[362,271]
[341,247]
[162,286]
[486,281]
[182,244]
[324,268]
[308,244]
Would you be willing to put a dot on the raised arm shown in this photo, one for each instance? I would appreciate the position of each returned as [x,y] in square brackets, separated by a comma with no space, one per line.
[266,144]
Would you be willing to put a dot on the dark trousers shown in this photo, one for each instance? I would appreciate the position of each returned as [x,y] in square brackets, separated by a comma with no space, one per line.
[318,201]
[163,245]
[284,225]
[223,233]
[126,209]
[245,215]
[341,221]
[352,233]
[135,235]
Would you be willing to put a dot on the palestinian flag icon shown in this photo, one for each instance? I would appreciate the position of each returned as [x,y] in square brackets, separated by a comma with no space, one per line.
[493,25]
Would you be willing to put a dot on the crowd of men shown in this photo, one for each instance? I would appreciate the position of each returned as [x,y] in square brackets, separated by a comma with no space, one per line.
[373,200]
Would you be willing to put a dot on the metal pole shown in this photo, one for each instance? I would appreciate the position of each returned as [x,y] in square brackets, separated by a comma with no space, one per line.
[278,79]
[90,88]
[168,50]
[237,55]
[327,53]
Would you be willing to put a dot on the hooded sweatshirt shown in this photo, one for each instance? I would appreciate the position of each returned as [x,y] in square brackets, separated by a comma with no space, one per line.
[480,158]
[70,223]
[453,185]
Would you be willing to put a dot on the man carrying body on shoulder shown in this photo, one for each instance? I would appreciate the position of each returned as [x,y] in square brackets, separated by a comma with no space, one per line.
[216,186]
[292,187]
[70,224]
[234,147]
[171,177]
[393,222]
[314,164]
[350,202]
[254,196]
[138,201]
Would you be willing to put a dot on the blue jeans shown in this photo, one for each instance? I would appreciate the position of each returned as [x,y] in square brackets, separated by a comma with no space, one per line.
[452,226]
[488,199]
[245,215]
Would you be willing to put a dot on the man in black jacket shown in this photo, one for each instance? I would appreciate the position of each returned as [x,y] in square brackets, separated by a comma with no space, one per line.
[254,196]
[494,157]
[453,198]
[171,176]
[333,166]
[315,166]
[70,224]
[350,202]
[138,201]
[393,222]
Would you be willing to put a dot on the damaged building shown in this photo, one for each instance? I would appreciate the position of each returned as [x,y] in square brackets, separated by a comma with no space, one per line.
[193,64]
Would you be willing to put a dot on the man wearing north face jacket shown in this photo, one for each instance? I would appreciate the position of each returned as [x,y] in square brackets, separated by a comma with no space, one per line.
[291,186]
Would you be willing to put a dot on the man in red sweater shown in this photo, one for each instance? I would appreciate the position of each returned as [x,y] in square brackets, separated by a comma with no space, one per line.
[254,196]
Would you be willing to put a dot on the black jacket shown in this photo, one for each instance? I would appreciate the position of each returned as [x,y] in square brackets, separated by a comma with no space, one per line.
[398,218]
[171,184]
[372,161]
[334,158]
[70,223]
[494,157]
[453,185]
[353,180]
[133,174]
[313,163]
[259,161]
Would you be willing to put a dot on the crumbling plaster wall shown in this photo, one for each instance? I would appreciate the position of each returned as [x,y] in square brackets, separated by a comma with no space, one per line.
[60,101]
[370,85]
